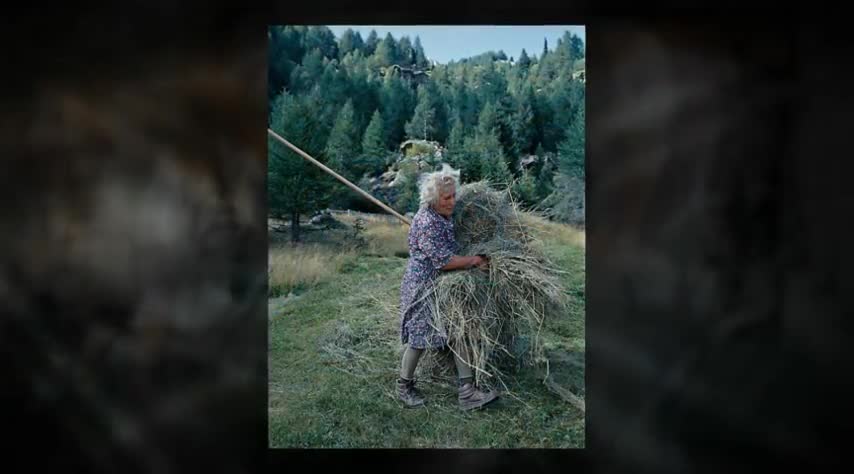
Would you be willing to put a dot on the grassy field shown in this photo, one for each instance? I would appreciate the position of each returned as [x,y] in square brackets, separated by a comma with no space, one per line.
[335,354]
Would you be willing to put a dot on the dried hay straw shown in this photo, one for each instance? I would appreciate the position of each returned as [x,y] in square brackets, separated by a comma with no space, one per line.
[497,314]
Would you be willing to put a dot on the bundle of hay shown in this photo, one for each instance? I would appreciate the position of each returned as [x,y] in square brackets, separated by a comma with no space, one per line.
[498,313]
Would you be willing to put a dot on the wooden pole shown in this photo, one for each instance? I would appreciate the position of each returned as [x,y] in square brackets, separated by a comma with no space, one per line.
[338,177]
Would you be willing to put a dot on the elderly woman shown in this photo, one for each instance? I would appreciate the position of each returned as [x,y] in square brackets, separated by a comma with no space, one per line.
[433,249]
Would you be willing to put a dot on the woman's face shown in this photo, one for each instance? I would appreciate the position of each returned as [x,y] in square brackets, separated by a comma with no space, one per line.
[445,204]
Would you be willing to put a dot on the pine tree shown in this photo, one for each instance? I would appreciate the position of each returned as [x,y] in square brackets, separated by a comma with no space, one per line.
[386,53]
[423,122]
[420,57]
[405,52]
[371,43]
[396,102]
[350,41]
[525,190]
[322,38]
[571,47]
[296,186]
[544,118]
[545,176]
[571,149]
[440,106]
[363,91]
[493,163]
[358,42]
[522,125]
[342,148]
[335,85]
[284,51]
[373,145]
[408,198]
[455,145]
[470,159]
[546,72]
[505,112]
[470,113]
[488,120]
[305,75]
[524,61]
[576,47]
[490,83]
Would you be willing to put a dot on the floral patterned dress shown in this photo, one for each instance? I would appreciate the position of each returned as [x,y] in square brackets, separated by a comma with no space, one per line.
[431,246]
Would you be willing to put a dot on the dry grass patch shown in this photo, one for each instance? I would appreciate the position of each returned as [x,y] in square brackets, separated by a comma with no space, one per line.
[388,239]
[303,266]
[553,231]
[386,236]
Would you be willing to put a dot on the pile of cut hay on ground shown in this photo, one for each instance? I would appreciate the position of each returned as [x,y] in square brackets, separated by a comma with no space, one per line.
[498,313]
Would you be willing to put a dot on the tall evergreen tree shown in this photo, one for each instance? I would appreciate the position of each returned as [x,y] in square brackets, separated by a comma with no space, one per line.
[545,176]
[371,43]
[322,38]
[420,57]
[505,113]
[524,61]
[571,47]
[544,118]
[564,104]
[423,122]
[342,148]
[488,120]
[493,163]
[284,52]
[296,186]
[571,149]
[397,103]
[466,103]
[405,52]
[386,53]
[522,124]
[490,83]
[440,106]
[373,145]
[363,91]
[525,190]
[470,158]
[493,160]
[350,41]
[576,47]
[455,146]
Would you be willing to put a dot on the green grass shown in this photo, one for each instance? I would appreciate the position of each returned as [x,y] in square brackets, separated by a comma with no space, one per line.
[335,354]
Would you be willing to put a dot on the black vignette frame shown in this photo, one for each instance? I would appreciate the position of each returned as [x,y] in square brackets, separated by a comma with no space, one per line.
[133,249]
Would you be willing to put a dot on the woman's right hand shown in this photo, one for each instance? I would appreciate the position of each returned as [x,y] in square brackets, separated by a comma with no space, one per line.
[463,262]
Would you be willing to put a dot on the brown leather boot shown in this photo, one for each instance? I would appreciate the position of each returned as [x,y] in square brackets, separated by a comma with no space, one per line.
[471,398]
[408,394]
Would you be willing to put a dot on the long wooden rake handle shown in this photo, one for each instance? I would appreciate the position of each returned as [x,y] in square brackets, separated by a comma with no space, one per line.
[338,177]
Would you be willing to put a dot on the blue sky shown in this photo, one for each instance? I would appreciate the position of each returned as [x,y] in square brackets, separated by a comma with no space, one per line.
[446,43]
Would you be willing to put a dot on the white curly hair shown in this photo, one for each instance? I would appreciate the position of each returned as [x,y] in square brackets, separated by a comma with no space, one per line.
[434,184]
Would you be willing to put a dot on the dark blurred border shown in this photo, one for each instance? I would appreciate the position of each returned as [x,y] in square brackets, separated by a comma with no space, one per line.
[811,175]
